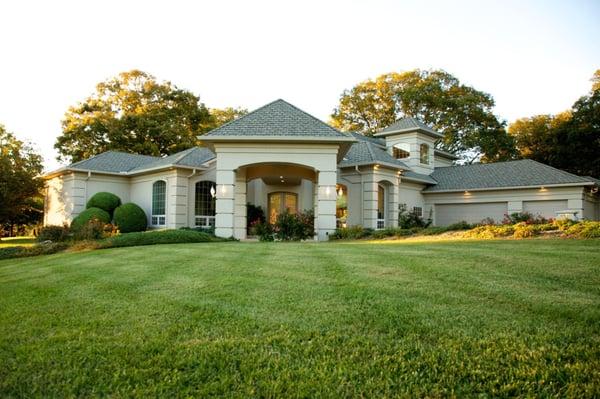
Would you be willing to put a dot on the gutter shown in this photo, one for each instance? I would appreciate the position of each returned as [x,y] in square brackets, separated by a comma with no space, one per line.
[508,188]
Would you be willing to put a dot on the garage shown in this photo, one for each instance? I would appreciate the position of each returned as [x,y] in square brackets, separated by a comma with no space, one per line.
[546,209]
[446,214]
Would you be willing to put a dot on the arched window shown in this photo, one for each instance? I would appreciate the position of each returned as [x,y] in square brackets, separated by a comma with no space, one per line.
[341,206]
[204,204]
[424,154]
[159,203]
[380,207]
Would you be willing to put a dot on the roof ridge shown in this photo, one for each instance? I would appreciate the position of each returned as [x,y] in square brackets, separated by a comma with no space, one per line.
[242,117]
[311,116]
[370,150]
[556,169]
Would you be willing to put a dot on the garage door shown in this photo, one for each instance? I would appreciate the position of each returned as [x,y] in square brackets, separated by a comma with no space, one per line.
[446,214]
[545,209]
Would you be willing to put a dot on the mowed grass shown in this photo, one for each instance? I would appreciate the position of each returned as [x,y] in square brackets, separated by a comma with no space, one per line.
[464,318]
[17,241]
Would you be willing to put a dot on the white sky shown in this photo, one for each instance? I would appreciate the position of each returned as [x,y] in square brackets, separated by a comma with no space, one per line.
[532,56]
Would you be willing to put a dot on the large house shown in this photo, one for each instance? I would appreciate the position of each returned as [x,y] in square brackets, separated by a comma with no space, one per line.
[281,158]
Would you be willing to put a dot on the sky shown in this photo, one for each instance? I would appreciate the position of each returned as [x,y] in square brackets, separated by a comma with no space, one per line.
[533,57]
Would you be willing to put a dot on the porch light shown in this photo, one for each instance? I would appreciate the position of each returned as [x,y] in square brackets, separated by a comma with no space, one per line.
[376,167]
[213,192]
[340,192]
[327,191]
[542,188]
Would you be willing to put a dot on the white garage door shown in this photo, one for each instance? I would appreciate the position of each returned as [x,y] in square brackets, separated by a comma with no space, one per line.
[446,214]
[545,209]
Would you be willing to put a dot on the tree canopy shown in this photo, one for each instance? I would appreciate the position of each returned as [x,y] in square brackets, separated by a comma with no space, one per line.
[20,184]
[568,141]
[221,116]
[133,112]
[463,114]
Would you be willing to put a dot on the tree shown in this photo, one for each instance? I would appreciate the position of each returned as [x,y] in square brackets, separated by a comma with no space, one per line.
[135,113]
[568,141]
[221,116]
[20,184]
[464,115]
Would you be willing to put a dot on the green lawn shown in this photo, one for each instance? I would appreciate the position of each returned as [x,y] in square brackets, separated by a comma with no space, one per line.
[17,241]
[461,318]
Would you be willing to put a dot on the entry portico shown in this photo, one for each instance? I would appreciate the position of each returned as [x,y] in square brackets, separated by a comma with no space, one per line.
[276,141]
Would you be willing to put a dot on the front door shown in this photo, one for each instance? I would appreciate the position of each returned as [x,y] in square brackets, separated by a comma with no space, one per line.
[279,202]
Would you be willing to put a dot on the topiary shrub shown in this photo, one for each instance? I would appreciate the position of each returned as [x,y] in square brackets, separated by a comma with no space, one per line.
[91,213]
[130,218]
[105,201]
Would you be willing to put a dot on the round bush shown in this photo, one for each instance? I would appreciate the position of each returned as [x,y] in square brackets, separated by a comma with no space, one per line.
[130,218]
[89,214]
[106,201]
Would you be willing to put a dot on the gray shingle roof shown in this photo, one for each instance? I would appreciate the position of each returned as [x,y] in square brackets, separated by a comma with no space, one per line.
[410,175]
[114,162]
[122,162]
[192,157]
[408,124]
[278,118]
[366,152]
[520,173]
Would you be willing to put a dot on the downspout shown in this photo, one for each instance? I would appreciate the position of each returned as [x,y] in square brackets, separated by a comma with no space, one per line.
[86,185]
[362,195]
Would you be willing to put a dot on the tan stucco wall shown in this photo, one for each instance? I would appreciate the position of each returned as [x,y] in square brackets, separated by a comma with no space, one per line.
[514,198]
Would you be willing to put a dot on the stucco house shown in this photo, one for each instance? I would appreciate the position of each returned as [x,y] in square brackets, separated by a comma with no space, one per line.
[279,157]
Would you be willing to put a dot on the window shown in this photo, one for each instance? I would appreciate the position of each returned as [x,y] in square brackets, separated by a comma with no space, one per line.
[341,206]
[159,199]
[380,207]
[204,204]
[417,210]
[424,154]
[280,202]
[400,153]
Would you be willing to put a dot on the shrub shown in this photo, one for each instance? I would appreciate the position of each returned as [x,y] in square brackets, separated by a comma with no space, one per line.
[489,231]
[208,230]
[462,225]
[264,231]
[394,232]
[410,219]
[53,233]
[87,215]
[433,230]
[584,229]
[351,233]
[106,201]
[255,214]
[130,218]
[294,227]
[158,237]
[526,217]
[486,221]
[524,230]
[563,223]
[94,230]
[35,250]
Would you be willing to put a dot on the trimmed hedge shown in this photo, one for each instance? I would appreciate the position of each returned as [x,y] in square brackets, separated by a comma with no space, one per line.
[87,215]
[35,250]
[158,237]
[130,218]
[105,201]
[53,233]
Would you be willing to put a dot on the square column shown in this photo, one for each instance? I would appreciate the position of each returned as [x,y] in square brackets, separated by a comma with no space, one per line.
[370,204]
[392,209]
[224,219]
[239,218]
[326,200]
[177,201]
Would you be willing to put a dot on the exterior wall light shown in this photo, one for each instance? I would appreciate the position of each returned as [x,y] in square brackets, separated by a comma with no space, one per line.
[213,192]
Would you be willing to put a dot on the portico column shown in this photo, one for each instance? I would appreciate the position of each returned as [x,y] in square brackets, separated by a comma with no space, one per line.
[326,199]
[239,222]
[177,201]
[224,220]
[370,203]
[392,211]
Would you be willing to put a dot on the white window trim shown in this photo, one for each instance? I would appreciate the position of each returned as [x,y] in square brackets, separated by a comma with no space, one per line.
[164,217]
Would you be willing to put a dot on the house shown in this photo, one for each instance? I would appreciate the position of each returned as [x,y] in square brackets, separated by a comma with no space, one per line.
[279,157]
